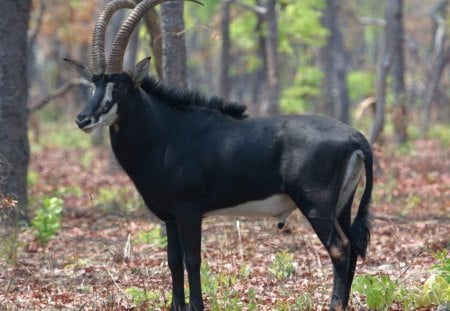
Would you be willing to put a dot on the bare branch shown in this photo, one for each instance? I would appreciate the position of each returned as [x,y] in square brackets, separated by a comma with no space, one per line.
[372,21]
[254,8]
[61,91]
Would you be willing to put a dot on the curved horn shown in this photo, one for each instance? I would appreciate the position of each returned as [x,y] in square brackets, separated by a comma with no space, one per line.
[115,62]
[98,37]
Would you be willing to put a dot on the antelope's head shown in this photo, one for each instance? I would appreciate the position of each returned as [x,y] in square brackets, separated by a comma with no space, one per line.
[110,83]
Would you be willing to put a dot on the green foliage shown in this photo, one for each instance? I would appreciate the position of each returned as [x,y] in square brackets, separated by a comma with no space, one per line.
[442,133]
[436,289]
[306,84]
[221,290]
[301,24]
[303,302]
[378,289]
[142,297]
[152,237]
[282,266]
[381,291]
[242,29]
[114,199]
[47,219]
[203,14]
[360,84]
[301,27]
[32,178]
[10,247]
[60,133]
[442,264]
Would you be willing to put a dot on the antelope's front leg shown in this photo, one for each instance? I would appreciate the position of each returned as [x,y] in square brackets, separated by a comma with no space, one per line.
[190,232]
[175,260]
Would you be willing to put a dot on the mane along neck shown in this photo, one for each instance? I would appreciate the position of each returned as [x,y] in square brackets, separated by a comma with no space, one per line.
[177,98]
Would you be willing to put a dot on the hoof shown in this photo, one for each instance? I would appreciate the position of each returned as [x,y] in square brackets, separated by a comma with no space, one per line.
[336,306]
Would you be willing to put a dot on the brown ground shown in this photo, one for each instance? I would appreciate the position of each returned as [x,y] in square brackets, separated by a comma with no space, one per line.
[83,267]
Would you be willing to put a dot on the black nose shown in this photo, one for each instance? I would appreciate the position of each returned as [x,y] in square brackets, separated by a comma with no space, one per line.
[82,121]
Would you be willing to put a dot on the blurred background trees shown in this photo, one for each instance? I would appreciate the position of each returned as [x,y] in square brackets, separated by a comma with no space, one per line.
[287,56]
[378,65]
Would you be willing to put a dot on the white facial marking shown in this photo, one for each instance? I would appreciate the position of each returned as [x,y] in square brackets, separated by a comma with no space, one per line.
[275,206]
[105,119]
[108,94]
[108,118]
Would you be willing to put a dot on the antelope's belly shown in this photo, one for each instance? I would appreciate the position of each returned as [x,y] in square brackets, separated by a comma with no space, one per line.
[275,206]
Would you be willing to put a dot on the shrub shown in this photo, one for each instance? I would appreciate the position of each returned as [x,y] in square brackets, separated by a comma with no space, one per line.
[47,219]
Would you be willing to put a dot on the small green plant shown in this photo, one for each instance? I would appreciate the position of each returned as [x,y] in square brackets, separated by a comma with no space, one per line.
[10,248]
[436,289]
[122,199]
[143,298]
[378,289]
[153,237]
[221,291]
[442,264]
[442,133]
[47,219]
[282,266]
[303,302]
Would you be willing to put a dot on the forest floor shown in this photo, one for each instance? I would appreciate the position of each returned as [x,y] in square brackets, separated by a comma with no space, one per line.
[247,264]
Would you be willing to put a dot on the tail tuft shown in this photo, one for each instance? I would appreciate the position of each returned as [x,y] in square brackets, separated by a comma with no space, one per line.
[360,230]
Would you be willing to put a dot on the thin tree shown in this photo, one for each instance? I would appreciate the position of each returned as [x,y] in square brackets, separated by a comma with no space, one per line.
[398,73]
[273,85]
[337,101]
[384,66]
[174,44]
[440,57]
[225,83]
[14,148]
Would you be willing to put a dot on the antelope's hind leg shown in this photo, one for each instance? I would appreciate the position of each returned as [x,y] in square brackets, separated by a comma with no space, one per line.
[338,246]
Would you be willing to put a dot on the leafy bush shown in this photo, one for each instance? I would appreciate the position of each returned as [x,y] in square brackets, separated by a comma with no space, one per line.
[436,289]
[360,84]
[378,289]
[142,297]
[220,288]
[381,291]
[282,266]
[306,85]
[153,237]
[47,219]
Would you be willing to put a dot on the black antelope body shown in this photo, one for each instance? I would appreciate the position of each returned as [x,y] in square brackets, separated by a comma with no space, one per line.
[192,157]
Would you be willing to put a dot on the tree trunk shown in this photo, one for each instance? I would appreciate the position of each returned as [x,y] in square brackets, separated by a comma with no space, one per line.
[337,102]
[225,83]
[14,148]
[174,45]
[273,87]
[400,110]
[384,67]
[154,28]
[440,57]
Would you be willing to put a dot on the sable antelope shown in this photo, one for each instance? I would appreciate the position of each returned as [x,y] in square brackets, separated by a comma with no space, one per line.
[192,157]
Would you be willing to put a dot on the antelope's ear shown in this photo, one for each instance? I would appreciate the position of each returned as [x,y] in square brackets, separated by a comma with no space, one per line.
[84,71]
[141,71]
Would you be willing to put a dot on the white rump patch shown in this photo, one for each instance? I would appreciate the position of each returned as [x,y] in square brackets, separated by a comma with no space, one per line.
[353,173]
[280,206]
